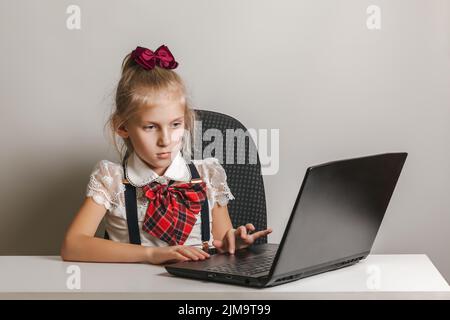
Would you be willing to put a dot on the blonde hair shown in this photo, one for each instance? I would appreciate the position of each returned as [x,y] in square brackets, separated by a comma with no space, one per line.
[136,88]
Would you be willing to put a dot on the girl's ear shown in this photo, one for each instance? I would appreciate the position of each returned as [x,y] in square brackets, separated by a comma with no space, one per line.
[122,131]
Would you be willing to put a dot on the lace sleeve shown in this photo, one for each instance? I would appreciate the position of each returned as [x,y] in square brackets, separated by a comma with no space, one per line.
[221,193]
[104,184]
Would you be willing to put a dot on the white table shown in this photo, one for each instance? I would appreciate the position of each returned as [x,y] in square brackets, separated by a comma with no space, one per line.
[376,277]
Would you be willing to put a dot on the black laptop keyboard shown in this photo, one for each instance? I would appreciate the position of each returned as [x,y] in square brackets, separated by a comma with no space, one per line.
[248,266]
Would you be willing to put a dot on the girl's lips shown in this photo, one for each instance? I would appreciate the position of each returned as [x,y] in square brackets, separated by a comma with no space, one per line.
[163,155]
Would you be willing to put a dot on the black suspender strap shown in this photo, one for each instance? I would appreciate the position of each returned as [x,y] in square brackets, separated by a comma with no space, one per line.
[132,216]
[131,211]
[204,213]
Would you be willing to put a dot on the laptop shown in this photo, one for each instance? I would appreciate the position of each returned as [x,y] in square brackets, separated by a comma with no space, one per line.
[333,224]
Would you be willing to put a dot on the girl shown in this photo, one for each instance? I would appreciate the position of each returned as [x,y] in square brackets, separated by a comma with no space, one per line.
[175,212]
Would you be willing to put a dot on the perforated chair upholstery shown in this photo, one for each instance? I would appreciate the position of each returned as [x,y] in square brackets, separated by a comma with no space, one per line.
[245,180]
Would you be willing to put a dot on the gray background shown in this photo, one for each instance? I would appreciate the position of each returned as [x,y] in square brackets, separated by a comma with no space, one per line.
[310,68]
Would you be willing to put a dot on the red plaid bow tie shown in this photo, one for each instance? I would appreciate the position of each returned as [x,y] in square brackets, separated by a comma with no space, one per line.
[172,210]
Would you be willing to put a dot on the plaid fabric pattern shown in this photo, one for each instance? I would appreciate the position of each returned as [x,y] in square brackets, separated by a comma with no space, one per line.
[173,210]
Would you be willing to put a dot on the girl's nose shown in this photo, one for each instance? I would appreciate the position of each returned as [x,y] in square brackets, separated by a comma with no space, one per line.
[164,138]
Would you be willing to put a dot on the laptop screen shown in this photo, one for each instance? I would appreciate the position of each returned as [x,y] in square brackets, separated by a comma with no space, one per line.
[338,211]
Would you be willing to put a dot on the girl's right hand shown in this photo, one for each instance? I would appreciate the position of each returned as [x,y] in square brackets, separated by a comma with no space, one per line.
[171,254]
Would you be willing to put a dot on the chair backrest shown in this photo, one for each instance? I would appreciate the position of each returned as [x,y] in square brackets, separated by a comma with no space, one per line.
[245,180]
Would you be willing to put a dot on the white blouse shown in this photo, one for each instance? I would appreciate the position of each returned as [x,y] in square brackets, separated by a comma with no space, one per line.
[106,188]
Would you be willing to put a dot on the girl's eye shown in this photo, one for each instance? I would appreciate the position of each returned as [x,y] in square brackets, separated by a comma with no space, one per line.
[176,125]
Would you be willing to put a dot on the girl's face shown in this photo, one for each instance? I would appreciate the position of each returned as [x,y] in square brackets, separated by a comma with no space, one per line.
[156,133]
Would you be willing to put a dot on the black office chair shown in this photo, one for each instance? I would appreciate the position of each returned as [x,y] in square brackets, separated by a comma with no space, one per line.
[245,180]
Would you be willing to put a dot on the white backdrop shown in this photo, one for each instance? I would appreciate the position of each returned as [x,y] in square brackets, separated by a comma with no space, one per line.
[311,69]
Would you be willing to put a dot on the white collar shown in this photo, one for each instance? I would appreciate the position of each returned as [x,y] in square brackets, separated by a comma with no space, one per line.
[139,174]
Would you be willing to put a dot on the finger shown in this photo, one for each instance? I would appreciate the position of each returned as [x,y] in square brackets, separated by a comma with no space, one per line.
[242,232]
[218,245]
[231,241]
[250,226]
[186,252]
[261,233]
[196,254]
[180,257]
[176,257]
[200,253]
[204,253]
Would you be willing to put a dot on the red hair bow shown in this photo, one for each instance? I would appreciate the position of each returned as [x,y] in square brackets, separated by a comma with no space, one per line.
[148,59]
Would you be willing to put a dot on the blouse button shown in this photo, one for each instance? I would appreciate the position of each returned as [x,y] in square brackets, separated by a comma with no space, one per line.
[162,180]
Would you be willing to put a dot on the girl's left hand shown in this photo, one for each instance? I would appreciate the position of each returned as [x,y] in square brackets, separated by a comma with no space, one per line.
[236,239]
